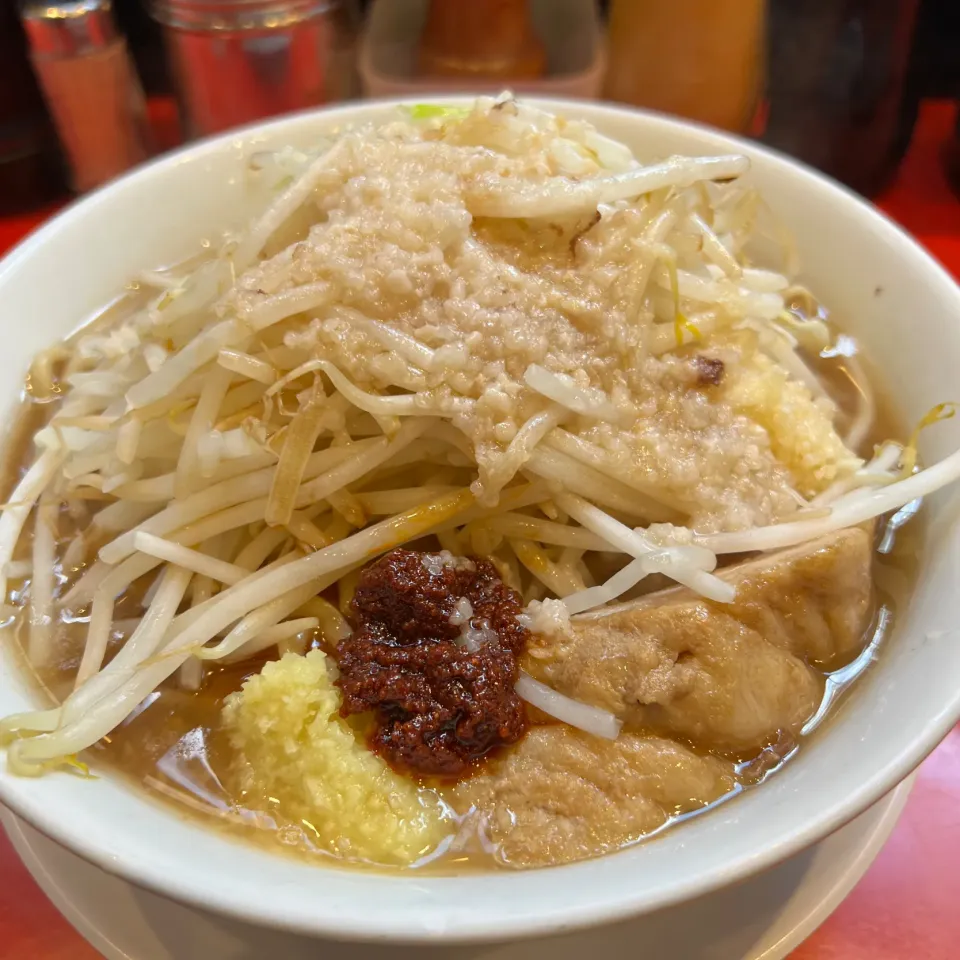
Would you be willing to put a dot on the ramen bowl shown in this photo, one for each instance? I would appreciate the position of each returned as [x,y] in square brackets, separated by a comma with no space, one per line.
[902,307]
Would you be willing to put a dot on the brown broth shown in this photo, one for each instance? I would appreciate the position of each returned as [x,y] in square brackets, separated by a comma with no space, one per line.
[174,747]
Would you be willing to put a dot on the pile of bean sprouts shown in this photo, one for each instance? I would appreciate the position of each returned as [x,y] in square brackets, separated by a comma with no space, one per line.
[235,483]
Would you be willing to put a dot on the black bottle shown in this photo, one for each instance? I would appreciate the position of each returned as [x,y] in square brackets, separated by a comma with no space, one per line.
[31,170]
[145,43]
[839,86]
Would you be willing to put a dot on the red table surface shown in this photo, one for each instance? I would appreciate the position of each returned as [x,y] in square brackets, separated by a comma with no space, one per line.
[906,907]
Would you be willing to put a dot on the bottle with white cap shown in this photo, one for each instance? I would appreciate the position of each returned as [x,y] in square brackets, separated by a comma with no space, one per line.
[90,86]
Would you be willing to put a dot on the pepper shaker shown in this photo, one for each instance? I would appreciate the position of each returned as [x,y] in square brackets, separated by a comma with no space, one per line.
[90,86]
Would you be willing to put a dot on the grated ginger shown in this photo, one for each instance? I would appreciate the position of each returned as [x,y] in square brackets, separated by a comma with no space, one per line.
[298,758]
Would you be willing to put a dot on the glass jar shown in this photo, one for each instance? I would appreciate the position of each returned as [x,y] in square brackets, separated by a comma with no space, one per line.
[237,61]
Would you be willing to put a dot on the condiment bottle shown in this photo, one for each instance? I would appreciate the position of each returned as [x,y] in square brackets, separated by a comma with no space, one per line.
[699,59]
[488,39]
[837,88]
[90,87]
[237,61]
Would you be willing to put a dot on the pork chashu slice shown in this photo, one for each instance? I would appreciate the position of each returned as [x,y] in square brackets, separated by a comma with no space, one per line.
[724,677]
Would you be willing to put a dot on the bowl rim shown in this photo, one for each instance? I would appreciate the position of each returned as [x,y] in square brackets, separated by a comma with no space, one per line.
[544,920]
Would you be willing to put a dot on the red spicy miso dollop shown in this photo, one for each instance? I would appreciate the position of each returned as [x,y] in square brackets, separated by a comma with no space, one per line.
[434,656]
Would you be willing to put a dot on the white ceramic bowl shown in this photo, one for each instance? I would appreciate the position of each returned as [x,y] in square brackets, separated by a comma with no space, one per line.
[890,294]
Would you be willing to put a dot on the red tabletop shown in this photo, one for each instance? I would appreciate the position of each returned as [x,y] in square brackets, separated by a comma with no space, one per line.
[906,907]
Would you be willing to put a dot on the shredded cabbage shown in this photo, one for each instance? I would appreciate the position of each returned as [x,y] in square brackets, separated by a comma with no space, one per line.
[436,111]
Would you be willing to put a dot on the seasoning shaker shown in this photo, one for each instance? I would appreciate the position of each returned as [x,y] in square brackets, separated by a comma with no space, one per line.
[91,89]
[237,61]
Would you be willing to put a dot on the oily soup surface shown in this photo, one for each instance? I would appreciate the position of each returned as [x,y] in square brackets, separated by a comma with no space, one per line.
[176,748]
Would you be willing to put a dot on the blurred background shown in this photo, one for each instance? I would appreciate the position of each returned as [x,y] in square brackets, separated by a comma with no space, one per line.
[89,88]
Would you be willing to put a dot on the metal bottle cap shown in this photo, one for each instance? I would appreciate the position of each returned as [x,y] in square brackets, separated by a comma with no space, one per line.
[68,28]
